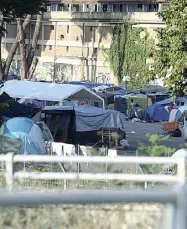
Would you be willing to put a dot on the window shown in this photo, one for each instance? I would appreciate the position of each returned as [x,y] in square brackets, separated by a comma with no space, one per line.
[67,28]
[121,8]
[67,48]
[105,7]
[52,27]
[91,29]
[54,7]
[61,37]
[60,7]
[95,51]
[50,47]
[48,8]
[77,38]
[38,47]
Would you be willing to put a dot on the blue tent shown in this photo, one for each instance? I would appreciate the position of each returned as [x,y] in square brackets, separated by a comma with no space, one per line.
[157,112]
[28,132]
[165,101]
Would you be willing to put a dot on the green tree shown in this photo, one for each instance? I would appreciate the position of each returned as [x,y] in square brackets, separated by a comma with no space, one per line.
[128,53]
[170,56]
[12,9]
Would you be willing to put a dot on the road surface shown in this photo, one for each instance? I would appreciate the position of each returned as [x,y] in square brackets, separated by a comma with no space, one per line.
[136,132]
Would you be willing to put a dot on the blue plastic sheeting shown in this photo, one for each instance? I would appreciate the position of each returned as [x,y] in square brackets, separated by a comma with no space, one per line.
[165,101]
[90,118]
[87,84]
[28,132]
[169,100]
[157,112]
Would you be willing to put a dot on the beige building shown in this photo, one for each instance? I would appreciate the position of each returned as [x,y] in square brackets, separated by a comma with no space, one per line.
[73,37]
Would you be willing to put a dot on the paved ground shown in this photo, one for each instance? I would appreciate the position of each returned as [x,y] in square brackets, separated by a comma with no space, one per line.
[141,129]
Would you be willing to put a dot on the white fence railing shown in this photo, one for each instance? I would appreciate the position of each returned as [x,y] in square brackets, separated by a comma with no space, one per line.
[10,174]
[174,199]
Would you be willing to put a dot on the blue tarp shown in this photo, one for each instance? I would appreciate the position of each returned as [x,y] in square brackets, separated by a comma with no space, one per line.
[157,112]
[169,100]
[28,132]
[90,118]
[87,84]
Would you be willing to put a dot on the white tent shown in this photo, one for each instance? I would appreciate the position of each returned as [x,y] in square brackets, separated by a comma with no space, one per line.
[49,91]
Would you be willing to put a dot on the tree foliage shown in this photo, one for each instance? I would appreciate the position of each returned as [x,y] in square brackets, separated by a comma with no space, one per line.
[17,9]
[170,56]
[128,53]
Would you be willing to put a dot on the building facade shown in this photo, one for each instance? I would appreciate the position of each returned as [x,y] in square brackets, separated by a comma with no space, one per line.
[75,32]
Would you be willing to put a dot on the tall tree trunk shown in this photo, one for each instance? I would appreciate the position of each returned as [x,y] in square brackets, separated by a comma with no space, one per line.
[35,38]
[15,46]
[33,67]
[1,61]
[22,50]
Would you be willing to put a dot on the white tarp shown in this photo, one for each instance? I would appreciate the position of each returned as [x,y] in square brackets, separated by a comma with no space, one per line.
[48,91]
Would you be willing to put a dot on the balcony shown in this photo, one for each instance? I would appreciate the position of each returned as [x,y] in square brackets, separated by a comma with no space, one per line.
[138,17]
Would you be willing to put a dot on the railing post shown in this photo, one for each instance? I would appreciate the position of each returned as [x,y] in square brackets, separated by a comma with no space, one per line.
[182,170]
[9,171]
[181,204]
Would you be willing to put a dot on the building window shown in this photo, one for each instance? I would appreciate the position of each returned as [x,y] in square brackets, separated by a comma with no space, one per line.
[121,8]
[60,7]
[105,7]
[67,28]
[67,48]
[77,38]
[38,47]
[91,29]
[95,51]
[61,37]
[52,27]
[54,7]
[48,8]
[50,47]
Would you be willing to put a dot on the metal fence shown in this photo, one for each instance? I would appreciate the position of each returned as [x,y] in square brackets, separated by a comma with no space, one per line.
[174,199]
[18,174]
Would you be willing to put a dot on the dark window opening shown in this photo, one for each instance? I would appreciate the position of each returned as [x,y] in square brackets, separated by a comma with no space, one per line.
[68,29]
[67,48]
[62,37]
[105,7]
[52,27]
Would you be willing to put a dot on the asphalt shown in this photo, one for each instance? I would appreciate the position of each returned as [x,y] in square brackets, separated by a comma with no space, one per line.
[136,132]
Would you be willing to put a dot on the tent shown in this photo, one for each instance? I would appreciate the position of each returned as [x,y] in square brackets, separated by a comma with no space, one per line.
[172,115]
[157,112]
[28,132]
[15,109]
[180,112]
[139,113]
[90,118]
[49,91]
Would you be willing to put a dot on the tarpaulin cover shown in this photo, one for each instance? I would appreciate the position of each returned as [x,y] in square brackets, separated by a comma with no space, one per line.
[15,109]
[91,118]
[28,132]
[157,112]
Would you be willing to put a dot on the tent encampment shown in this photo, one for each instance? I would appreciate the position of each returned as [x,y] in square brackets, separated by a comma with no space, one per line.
[157,113]
[51,92]
[28,132]
[90,118]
